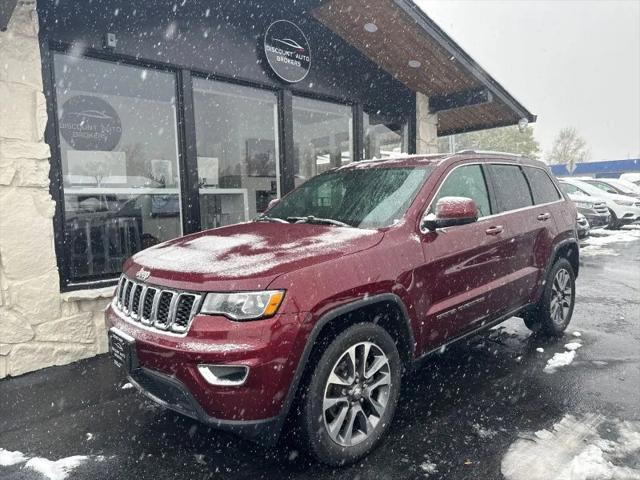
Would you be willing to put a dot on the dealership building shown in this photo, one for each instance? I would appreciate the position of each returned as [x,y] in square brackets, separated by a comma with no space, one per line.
[125,124]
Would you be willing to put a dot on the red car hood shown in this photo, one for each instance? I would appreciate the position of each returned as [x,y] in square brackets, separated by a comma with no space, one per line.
[246,256]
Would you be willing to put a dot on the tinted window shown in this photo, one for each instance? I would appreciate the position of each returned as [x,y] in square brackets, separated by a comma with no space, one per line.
[604,186]
[512,189]
[542,187]
[467,181]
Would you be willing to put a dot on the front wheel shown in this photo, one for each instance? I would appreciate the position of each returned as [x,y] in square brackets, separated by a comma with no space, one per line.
[553,312]
[614,223]
[352,395]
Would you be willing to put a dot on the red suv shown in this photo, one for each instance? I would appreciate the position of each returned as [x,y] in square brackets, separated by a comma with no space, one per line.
[319,305]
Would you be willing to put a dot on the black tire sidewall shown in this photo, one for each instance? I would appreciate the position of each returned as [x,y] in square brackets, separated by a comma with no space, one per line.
[544,309]
[314,431]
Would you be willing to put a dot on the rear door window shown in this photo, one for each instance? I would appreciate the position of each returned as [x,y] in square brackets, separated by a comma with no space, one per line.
[466,181]
[511,187]
[542,187]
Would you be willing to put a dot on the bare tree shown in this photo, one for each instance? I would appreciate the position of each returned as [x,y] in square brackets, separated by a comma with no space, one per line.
[568,148]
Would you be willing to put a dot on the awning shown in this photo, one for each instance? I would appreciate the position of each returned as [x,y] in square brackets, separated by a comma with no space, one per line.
[399,37]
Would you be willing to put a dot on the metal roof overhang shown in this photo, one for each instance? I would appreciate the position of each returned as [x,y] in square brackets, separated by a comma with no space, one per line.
[465,96]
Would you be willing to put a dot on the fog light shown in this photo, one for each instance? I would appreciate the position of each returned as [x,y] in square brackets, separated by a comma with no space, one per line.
[224,375]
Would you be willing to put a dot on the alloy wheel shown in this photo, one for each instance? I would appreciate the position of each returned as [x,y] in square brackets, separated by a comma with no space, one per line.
[561,297]
[356,394]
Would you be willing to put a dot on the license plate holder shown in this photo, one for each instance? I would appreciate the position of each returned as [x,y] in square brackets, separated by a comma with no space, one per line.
[122,348]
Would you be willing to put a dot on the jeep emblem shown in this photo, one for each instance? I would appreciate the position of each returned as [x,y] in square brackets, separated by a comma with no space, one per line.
[143,274]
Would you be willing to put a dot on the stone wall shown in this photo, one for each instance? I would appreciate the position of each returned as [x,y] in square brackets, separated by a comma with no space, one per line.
[39,326]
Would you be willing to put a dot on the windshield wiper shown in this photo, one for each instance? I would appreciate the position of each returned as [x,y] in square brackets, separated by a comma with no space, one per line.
[267,218]
[318,220]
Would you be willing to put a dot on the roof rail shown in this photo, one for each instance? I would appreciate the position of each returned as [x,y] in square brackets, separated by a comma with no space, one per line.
[489,152]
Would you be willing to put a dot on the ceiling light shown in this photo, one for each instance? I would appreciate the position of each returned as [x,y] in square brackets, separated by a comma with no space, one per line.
[370,27]
[414,63]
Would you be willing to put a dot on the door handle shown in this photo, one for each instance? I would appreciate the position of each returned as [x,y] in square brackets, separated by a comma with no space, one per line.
[494,230]
[544,216]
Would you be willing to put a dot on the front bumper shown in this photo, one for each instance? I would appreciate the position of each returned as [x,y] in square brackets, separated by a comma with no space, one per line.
[166,369]
[595,219]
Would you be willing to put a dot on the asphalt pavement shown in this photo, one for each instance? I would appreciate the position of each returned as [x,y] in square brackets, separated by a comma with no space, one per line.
[469,413]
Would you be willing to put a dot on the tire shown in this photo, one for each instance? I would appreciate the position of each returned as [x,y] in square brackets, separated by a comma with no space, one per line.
[325,423]
[614,223]
[552,314]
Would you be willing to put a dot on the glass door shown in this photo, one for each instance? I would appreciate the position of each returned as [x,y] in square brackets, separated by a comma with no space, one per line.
[237,150]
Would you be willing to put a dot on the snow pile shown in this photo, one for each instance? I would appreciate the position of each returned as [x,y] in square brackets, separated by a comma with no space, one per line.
[559,360]
[483,432]
[126,386]
[599,241]
[11,458]
[48,469]
[242,255]
[575,450]
[564,358]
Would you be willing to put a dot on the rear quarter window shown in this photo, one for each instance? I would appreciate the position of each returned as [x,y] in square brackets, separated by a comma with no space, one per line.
[542,187]
[511,187]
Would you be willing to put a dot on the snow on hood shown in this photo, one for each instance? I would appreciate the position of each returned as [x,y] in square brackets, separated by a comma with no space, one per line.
[251,249]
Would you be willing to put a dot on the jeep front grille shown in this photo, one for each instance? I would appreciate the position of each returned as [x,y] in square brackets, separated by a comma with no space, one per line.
[156,307]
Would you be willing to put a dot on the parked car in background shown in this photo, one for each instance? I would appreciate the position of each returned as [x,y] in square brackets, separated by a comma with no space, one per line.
[593,208]
[632,177]
[582,226]
[622,208]
[613,185]
[317,307]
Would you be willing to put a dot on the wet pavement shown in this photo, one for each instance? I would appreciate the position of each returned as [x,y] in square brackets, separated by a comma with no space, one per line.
[457,417]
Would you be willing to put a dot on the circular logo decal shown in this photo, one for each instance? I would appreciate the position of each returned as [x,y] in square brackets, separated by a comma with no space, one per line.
[287,51]
[90,123]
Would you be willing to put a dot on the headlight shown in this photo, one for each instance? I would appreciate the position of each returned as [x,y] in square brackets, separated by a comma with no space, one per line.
[243,305]
[584,204]
[626,203]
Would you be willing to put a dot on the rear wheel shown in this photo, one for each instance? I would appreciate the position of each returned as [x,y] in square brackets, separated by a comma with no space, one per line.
[553,312]
[352,395]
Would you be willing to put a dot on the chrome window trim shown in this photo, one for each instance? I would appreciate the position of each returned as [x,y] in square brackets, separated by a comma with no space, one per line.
[494,215]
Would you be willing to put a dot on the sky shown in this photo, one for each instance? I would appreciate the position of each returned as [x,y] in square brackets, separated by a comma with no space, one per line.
[570,62]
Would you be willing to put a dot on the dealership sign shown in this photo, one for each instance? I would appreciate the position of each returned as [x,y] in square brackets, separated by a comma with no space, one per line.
[90,123]
[287,51]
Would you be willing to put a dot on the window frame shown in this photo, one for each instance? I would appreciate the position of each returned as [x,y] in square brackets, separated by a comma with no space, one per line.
[187,155]
[526,169]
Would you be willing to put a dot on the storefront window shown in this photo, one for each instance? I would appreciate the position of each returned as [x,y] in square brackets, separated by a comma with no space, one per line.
[322,137]
[118,146]
[384,137]
[237,148]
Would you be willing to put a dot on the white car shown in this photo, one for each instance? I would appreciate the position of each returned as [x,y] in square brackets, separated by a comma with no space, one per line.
[594,209]
[614,185]
[623,209]
[631,177]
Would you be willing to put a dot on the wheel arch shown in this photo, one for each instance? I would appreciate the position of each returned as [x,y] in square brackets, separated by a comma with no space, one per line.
[331,323]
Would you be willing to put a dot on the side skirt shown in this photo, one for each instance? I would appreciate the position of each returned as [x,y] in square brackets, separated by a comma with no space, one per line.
[421,360]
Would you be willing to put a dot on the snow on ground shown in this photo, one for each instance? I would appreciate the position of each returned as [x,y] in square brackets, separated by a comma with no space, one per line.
[591,448]
[11,458]
[126,386]
[483,432]
[559,360]
[428,468]
[48,469]
[564,358]
[599,241]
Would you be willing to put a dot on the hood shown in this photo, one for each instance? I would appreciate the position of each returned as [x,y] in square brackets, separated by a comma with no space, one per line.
[247,255]
[577,197]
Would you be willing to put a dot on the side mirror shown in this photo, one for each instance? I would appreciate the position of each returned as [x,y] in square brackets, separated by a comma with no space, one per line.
[451,211]
[272,203]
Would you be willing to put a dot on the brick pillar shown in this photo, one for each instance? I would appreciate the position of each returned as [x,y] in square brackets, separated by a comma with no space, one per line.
[426,126]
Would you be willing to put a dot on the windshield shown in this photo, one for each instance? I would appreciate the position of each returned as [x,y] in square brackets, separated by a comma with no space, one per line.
[364,198]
